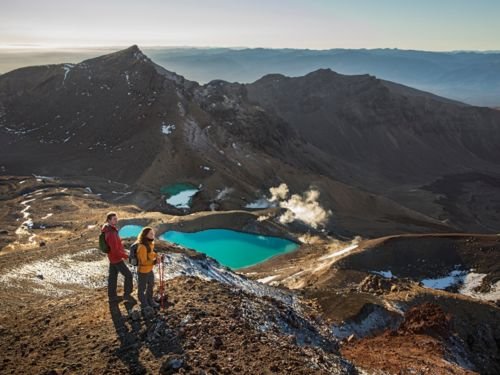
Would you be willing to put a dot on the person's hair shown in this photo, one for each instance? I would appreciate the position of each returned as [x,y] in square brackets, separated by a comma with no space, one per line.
[110,215]
[141,238]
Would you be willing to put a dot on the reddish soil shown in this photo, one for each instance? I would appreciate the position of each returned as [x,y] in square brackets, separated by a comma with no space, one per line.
[417,347]
[426,319]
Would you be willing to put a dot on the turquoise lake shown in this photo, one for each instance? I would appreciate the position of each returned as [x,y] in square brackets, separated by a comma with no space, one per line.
[130,231]
[232,248]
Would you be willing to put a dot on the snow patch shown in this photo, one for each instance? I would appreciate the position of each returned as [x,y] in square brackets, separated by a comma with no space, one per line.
[472,281]
[67,68]
[386,274]
[167,128]
[24,211]
[40,178]
[455,277]
[376,320]
[24,230]
[56,276]
[182,199]
[28,223]
[208,269]
[468,282]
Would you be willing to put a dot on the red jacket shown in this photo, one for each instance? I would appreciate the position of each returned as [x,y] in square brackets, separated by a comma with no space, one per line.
[116,251]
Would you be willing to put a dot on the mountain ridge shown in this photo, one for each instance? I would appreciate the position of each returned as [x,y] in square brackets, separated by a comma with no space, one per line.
[111,114]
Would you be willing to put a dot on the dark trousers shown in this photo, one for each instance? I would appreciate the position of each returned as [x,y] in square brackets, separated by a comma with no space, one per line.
[146,282]
[114,269]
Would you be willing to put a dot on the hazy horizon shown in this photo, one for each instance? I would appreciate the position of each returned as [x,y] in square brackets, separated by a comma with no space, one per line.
[445,25]
[43,48]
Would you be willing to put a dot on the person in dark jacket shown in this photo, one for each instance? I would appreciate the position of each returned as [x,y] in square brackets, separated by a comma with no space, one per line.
[116,255]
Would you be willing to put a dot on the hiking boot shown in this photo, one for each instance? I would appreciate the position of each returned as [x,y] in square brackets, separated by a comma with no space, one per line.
[148,312]
[135,315]
[154,304]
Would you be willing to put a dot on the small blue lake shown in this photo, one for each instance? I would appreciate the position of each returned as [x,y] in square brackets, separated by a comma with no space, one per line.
[130,231]
[232,248]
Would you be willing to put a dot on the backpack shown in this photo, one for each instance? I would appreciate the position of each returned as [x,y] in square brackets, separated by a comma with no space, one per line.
[132,256]
[103,246]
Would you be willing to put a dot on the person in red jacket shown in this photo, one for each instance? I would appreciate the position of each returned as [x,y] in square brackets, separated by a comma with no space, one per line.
[116,255]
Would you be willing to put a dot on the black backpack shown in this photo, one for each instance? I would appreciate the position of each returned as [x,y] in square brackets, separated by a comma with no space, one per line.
[132,256]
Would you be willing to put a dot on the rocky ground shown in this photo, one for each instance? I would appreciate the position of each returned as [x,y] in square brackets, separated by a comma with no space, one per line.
[207,328]
[417,346]
[321,309]
[368,289]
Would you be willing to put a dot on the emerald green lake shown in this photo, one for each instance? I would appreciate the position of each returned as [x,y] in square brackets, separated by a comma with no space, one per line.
[174,189]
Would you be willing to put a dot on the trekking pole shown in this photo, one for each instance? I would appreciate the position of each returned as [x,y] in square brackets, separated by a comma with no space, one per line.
[135,277]
[161,270]
[164,281]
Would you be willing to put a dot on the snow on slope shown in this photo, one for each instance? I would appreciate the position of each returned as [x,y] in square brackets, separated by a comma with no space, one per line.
[89,269]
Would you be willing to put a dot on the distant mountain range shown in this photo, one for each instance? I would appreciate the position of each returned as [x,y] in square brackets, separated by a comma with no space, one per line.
[386,158]
[470,77]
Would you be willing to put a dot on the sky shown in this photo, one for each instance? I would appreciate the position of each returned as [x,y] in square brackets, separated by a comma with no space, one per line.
[433,25]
